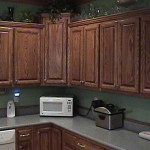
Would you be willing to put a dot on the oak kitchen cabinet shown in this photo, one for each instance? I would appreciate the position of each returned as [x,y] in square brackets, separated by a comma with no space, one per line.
[84,55]
[6,57]
[72,141]
[145,55]
[20,46]
[27,56]
[24,138]
[119,55]
[52,137]
[39,137]
[42,137]
[56,138]
[55,53]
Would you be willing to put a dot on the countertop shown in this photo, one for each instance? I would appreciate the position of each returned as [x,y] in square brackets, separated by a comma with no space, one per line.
[119,139]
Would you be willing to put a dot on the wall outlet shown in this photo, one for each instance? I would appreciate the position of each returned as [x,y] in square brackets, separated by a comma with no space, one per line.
[16,97]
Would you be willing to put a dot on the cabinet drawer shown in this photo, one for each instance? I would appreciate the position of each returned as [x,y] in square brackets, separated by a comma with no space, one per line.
[83,144]
[24,134]
[76,142]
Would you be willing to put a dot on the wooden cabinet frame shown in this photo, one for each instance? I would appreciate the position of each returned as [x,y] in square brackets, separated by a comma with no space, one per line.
[119,63]
[84,56]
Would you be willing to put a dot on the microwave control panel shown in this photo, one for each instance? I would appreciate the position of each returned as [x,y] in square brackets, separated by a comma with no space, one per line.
[69,105]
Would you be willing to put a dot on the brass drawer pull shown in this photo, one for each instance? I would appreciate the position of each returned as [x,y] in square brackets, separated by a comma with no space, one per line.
[24,135]
[81,145]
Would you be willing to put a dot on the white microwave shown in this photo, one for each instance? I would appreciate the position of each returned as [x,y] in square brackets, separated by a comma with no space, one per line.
[56,106]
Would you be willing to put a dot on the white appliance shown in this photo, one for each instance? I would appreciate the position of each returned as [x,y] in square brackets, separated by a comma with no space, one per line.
[7,140]
[145,135]
[10,109]
[56,106]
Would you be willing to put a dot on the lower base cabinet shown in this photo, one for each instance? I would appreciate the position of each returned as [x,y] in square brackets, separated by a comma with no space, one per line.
[42,137]
[24,138]
[39,137]
[72,141]
[52,137]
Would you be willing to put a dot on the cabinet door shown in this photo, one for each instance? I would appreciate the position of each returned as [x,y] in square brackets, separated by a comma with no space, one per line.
[108,55]
[43,138]
[76,53]
[6,56]
[69,141]
[56,139]
[55,52]
[27,56]
[24,139]
[128,55]
[145,55]
[72,141]
[91,55]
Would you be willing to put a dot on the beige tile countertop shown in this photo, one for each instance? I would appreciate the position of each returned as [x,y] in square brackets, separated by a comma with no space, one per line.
[119,139]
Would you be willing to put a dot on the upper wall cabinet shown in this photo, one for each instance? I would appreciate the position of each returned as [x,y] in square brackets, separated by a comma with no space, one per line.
[55,54]
[6,56]
[119,63]
[145,55]
[108,55]
[20,46]
[84,55]
[27,52]
[76,47]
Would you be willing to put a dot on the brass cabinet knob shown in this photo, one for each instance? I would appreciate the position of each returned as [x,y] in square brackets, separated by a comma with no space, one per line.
[80,145]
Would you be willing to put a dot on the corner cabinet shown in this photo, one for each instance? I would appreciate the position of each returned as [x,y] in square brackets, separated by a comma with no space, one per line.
[20,47]
[6,56]
[39,137]
[55,53]
[119,63]
[84,55]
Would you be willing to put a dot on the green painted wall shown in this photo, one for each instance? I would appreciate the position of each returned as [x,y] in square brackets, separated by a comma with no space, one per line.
[137,107]
[28,95]
[107,5]
[19,7]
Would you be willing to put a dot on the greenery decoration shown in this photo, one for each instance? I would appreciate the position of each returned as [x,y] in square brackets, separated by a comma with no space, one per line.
[26,16]
[55,8]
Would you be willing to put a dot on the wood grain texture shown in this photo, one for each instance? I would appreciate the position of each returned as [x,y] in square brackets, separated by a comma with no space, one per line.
[43,137]
[91,55]
[76,55]
[128,58]
[24,138]
[56,139]
[6,56]
[108,55]
[27,56]
[55,64]
[145,55]
[72,141]
[20,24]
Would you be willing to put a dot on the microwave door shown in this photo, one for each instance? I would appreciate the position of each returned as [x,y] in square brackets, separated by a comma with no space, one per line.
[54,108]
